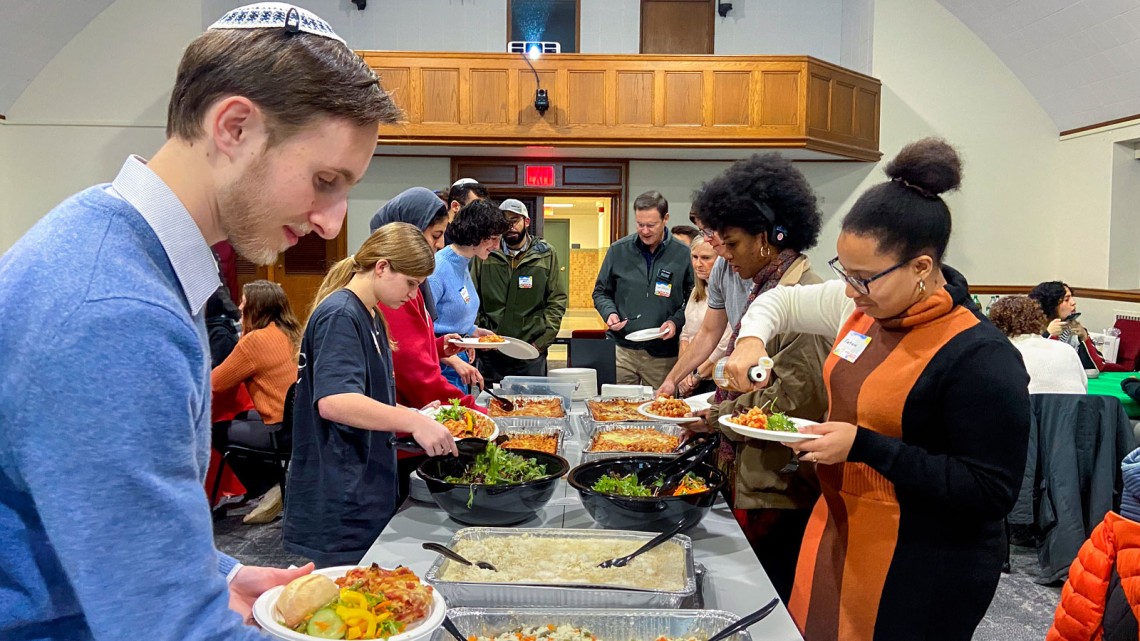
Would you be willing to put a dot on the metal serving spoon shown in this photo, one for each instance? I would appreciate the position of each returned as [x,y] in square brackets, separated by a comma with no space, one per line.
[621,562]
[746,621]
[508,405]
[455,556]
[450,626]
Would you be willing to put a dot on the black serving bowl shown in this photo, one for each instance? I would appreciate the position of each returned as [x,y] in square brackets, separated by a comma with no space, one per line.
[493,505]
[652,514]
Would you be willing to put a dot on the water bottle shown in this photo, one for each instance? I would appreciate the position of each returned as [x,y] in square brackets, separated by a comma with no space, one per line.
[756,374]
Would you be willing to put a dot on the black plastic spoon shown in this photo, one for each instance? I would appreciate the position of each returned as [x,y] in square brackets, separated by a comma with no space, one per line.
[746,621]
[621,562]
[457,557]
[449,625]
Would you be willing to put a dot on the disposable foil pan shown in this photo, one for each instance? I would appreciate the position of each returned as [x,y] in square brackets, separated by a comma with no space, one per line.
[535,426]
[523,397]
[469,593]
[608,625]
[602,399]
[589,455]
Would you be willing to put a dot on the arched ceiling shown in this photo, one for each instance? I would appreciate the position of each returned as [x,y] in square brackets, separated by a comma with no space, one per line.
[1079,58]
[32,33]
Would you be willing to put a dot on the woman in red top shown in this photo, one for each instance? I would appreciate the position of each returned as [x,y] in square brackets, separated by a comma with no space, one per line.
[419,380]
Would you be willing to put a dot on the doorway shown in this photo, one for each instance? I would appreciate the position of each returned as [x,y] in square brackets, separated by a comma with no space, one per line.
[299,270]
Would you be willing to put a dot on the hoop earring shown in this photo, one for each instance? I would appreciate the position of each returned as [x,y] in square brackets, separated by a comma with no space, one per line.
[922,287]
[765,251]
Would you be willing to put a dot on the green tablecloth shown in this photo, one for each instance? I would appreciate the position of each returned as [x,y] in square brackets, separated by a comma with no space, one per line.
[1108,384]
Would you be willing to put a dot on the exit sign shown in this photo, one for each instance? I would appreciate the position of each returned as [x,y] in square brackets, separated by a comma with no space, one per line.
[540,175]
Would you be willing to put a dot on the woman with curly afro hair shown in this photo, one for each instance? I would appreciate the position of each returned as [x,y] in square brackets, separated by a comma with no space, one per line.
[764,214]
[1053,367]
[922,454]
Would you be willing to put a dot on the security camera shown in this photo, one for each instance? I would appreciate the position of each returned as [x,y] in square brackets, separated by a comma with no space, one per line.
[541,101]
[723,8]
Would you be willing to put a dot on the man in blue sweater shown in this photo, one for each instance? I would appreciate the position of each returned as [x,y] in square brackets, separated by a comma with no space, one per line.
[105,375]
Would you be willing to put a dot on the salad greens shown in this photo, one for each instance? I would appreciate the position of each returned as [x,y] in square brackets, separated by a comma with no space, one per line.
[453,412]
[628,486]
[496,466]
[779,422]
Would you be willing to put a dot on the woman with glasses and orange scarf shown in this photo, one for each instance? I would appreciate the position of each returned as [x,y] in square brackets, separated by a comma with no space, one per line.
[922,455]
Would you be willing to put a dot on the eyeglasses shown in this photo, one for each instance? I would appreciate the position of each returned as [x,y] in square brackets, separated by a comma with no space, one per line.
[861,285]
[708,233]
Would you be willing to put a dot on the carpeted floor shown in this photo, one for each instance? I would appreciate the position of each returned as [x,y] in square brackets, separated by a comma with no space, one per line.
[1021,610]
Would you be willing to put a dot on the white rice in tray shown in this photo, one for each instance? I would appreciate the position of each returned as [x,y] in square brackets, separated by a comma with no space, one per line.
[564,632]
[547,560]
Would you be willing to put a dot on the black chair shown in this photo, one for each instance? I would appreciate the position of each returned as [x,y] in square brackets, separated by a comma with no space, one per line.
[592,348]
[278,453]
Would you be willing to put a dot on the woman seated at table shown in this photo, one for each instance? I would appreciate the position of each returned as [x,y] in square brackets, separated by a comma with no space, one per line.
[1060,308]
[342,477]
[704,256]
[474,233]
[922,455]
[1053,368]
[265,361]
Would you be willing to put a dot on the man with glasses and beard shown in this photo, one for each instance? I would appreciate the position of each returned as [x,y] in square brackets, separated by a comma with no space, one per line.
[521,295]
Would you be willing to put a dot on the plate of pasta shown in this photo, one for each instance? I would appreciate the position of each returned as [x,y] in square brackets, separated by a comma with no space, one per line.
[671,410]
[774,426]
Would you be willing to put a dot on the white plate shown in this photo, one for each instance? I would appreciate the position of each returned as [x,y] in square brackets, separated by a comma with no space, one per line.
[666,419]
[700,401]
[435,410]
[642,335]
[772,435]
[519,349]
[473,343]
[265,613]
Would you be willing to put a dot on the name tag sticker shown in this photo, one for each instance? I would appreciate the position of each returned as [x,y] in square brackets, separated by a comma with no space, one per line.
[466,296]
[526,282]
[852,346]
[663,289]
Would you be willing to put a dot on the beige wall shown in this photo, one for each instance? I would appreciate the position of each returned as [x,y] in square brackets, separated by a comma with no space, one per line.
[104,96]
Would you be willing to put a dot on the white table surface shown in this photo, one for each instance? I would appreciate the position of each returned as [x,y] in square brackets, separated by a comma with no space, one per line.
[734,580]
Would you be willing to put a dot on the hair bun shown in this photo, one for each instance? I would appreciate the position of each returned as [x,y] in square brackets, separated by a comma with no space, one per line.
[930,164]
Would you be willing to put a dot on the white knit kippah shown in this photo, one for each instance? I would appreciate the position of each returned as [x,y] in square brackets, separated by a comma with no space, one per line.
[269,15]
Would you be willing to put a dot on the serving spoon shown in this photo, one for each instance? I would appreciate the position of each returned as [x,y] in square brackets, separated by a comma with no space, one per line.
[508,405]
[455,556]
[621,562]
[746,621]
[450,626]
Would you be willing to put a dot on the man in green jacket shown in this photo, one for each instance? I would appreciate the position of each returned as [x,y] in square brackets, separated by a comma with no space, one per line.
[643,284]
[520,295]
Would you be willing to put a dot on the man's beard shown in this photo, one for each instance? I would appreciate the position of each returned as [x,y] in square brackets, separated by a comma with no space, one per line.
[244,216]
[513,238]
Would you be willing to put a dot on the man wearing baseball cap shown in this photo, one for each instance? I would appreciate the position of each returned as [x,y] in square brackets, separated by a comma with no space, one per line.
[521,295]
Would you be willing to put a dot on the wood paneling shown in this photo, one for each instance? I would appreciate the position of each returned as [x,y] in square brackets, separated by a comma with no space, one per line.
[842,108]
[487,99]
[1119,295]
[587,98]
[635,98]
[731,97]
[780,104]
[677,26]
[683,96]
[440,96]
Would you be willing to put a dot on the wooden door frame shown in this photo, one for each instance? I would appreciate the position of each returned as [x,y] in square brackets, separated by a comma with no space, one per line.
[711,18]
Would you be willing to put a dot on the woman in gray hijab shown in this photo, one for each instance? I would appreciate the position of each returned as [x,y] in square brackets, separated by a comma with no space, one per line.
[419,380]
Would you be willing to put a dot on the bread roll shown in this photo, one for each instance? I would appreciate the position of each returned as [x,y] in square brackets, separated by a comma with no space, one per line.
[304,596]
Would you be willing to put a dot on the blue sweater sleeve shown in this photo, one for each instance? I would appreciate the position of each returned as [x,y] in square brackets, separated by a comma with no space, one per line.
[117,485]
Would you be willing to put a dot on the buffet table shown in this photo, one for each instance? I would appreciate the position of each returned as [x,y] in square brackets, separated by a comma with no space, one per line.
[733,579]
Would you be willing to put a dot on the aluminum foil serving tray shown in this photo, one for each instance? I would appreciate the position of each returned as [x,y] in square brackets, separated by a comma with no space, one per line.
[466,593]
[606,625]
[543,426]
[588,455]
